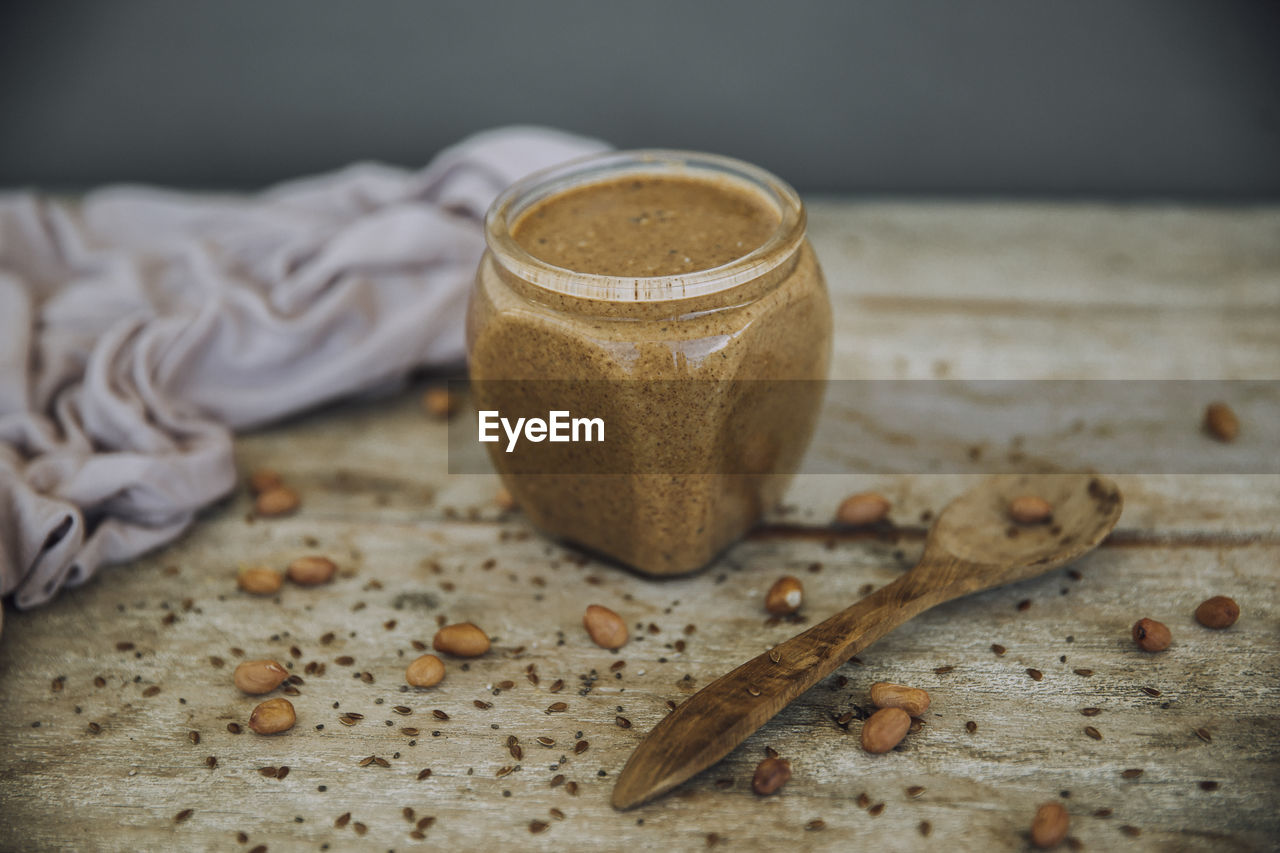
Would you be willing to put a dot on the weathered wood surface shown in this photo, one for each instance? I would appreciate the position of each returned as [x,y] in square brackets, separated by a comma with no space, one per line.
[973,291]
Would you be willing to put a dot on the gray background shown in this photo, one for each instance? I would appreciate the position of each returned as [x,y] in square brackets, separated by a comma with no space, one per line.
[1113,98]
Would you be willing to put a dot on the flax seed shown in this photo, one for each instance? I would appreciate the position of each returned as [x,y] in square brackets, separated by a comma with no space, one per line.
[1084,673]
[1132,773]
[366,761]
[943,670]
[211,762]
[424,824]
[403,710]
[1131,831]
[815,825]
[343,820]
[269,772]
[863,800]
[1209,785]
[424,773]
[915,791]
[1024,604]
[1204,735]
[1091,712]
[1093,733]
[971,727]
[925,828]
[504,771]
[875,810]
[516,750]
[439,715]
[623,722]
[536,826]
[483,706]
[183,815]
[998,649]
[557,707]
[1151,691]
[1036,675]
[360,828]
[572,787]
[546,741]
[344,660]
[557,780]
[580,747]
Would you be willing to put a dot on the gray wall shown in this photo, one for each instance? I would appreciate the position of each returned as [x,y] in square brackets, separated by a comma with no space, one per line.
[1118,98]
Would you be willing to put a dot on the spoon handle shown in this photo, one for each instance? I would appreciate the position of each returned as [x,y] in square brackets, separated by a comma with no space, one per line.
[708,725]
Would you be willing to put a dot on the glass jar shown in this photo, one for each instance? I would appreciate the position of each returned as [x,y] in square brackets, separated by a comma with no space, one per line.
[708,382]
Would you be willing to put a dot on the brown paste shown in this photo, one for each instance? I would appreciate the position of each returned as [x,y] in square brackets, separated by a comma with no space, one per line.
[662,372]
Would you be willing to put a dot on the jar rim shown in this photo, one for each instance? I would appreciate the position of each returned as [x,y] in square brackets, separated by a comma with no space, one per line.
[593,168]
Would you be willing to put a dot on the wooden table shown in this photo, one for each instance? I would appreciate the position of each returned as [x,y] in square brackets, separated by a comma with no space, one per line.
[143,655]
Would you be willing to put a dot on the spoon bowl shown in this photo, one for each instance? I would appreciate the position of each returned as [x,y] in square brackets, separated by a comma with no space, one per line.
[973,545]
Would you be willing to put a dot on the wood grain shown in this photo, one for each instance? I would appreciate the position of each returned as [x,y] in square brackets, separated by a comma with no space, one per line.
[377,499]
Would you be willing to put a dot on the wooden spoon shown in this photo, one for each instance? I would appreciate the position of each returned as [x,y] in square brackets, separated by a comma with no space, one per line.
[973,546]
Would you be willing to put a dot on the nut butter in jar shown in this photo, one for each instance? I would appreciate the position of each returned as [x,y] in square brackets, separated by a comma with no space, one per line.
[674,296]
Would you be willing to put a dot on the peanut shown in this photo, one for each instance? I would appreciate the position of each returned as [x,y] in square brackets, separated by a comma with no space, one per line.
[273,716]
[425,671]
[784,596]
[1050,825]
[885,729]
[1030,509]
[310,571]
[1221,422]
[439,402]
[264,479]
[1218,612]
[863,509]
[259,676]
[259,580]
[771,774]
[1151,636]
[913,700]
[606,628]
[463,640]
[280,500]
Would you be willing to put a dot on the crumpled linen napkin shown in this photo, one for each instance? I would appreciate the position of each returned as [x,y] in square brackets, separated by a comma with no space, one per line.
[140,328]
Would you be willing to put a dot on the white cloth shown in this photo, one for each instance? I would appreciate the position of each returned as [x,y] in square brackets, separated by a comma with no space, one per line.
[140,328]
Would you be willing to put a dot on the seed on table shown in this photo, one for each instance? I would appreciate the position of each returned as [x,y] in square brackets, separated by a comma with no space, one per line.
[1083,673]
[440,402]
[913,700]
[342,820]
[580,747]
[234,728]
[815,825]
[998,649]
[1131,831]
[557,780]
[1218,612]
[277,501]
[771,774]
[269,772]
[1221,422]
[546,741]
[623,722]
[462,639]
[403,710]
[536,826]
[424,773]
[1091,712]
[1036,675]
[1209,785]
[344,660]
[516,750]
[862,509]
[971,727]
[424,823]
[1204,735]
[1050,825]
[504,771]
[424,671]
[409,731]
[183,815]
[557,707]
[1093,733]
[785,596]
[273,716]
[571,787]
[885,729]
[311,570]
[259,580]
[876,810]
[1151,636]
[153,690]
[194,737]
[1132,773]
[439,715]
[211,762]
[1030,509]
[259,676]
[606,628]
[915,791]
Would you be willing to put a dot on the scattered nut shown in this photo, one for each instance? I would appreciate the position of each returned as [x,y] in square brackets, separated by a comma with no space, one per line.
[273,716]
[862,509]
[785,596]
[1151,636]
[771,774]
[425,671]
[1218,612]
[913,700]
[439,402]
[264,480]
[1050,825]
[885,729]
[606,628]
[464,640]
[1221,422]
[1030,509]
[259,676]
[280,500]
[260,580]
[311,571]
